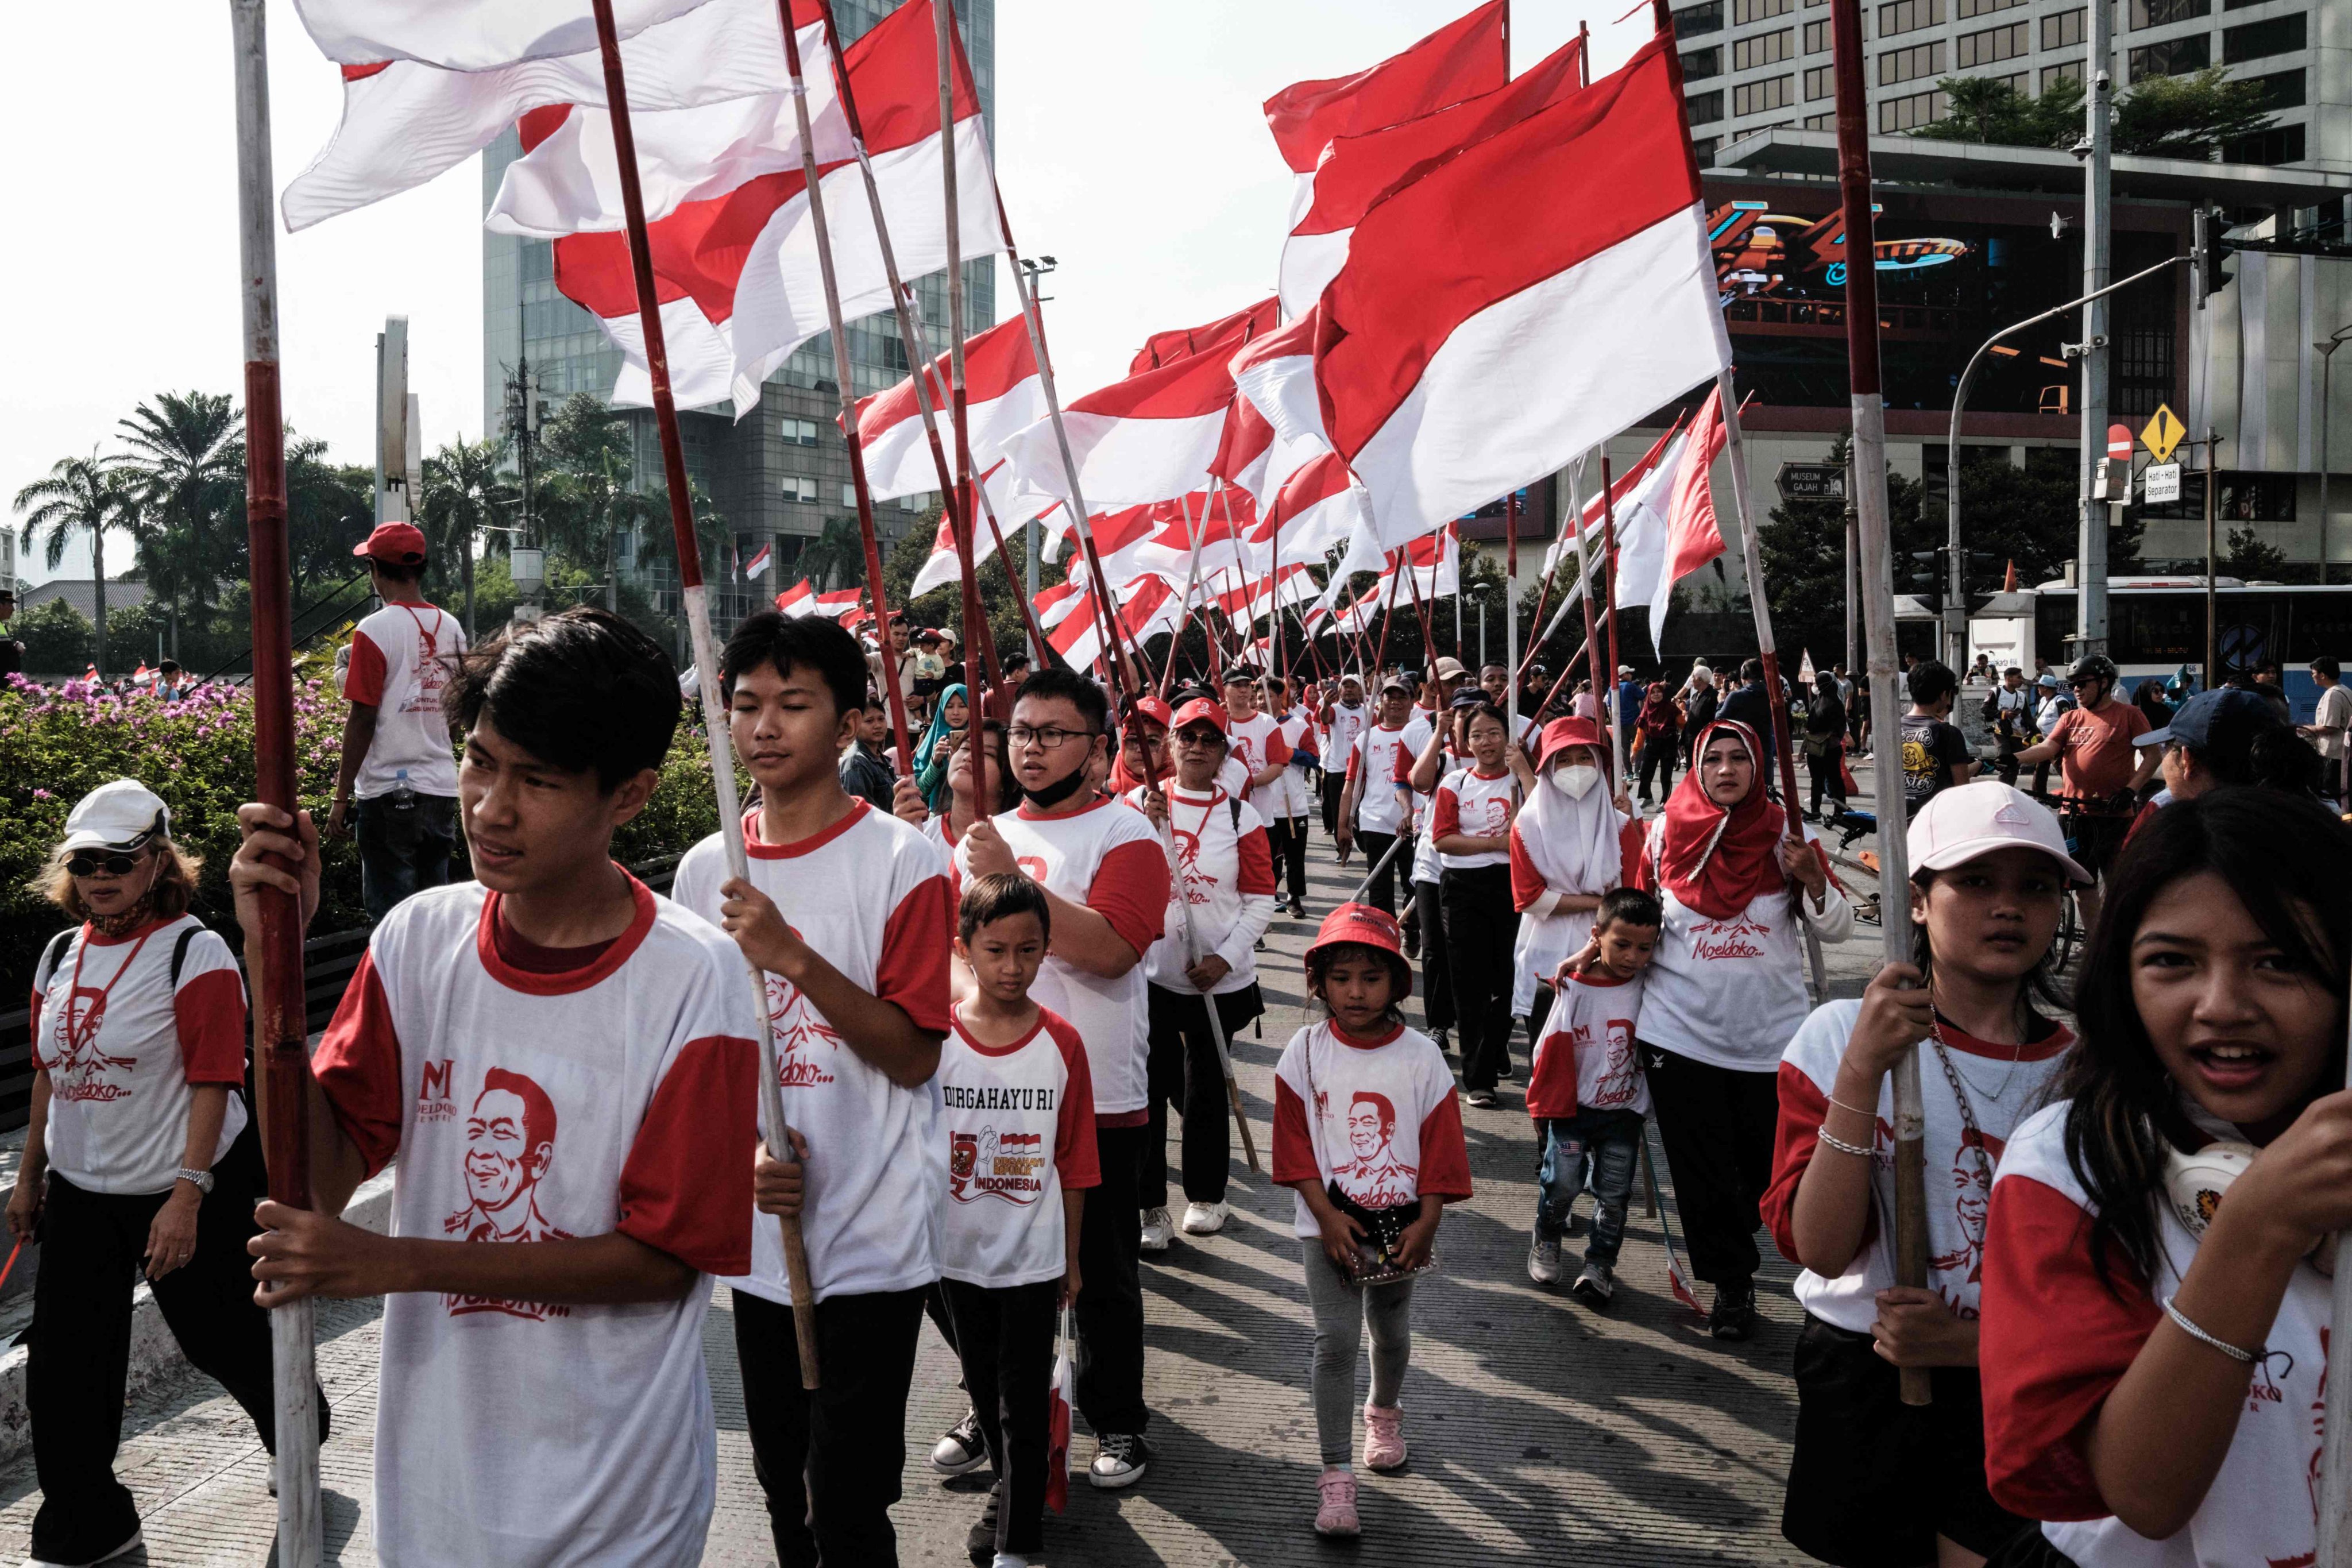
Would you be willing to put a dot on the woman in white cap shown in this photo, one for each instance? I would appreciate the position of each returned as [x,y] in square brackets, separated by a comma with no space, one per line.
[1873,1481]
[139,1040]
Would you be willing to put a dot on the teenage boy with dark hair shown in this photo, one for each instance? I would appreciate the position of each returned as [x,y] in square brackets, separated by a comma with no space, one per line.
[1106,879]
[847,914]
[1936,755]
[556,1056]
[397,761]
[1751,705]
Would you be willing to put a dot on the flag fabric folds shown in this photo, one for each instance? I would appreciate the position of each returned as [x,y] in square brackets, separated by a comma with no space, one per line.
[469,35]
[1465,58]
[801,600]
[759,562]
[1003,394]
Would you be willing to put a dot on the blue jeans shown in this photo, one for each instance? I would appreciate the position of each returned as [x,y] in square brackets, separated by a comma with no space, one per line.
[404,850]
[1594,1150]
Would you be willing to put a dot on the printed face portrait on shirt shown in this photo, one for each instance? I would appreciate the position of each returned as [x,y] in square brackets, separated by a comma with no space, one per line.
[1372,1122]
[509,1147]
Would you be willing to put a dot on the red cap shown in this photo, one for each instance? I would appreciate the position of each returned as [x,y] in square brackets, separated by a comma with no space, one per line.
[1366,926]
[403,543]
[1569,733]
[1202,710]
[1153,711]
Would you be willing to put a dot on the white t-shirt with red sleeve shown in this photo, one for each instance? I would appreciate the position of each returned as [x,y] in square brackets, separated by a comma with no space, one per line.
[1287,796]
[2055,1340]
[1373,764]
[1584,1057]
[2003,1083]
[1019,1132]
[1228,879]
[1108,857]
[529,1107]
[122,1046]
[402,659]
[869,895]
[1257,743]
[1341,726]
[1478,803]
[1377,1117]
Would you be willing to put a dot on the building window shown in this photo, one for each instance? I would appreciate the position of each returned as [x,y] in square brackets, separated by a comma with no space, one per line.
[2281,145]
[1705,108]
[1697,21]
[1911,64]
[1703,150]
[2281,90]
[1994,44]
[849,497]
[2279,35]
[1909,16]
[1909,113]
[1700,64]
[799,488]
[1968,8]
[2256,497]
[2052,75]
[1821,122]
[1763,49]
[1746,11]
[1756,97]
[2174,56]
[800,432]
[2064,31]
[1821,82]
[1817,38]
[910,503]
[2163,13]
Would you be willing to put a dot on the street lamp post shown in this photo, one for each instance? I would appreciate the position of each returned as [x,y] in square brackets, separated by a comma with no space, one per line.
[2326,348]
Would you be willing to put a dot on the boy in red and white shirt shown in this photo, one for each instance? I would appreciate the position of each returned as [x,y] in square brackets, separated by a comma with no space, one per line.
[1020,1146]
[556,1057]
[1284,801]
[1586,1095]
[1342,722]
[1470,834]
[1371,805]
[847,915]
[1104,874]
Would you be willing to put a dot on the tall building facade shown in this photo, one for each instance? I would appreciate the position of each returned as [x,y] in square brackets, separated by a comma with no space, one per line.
[781,473]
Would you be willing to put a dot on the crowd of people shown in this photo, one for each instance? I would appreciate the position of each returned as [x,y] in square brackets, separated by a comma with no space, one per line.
[1002,973]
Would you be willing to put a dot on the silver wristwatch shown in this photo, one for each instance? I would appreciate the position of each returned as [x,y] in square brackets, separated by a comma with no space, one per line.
[200,1180]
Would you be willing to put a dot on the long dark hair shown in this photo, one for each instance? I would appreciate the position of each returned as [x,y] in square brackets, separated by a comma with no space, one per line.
[2289,862]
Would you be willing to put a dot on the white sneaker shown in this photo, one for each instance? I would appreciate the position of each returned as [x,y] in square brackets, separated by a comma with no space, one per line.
[1158,1230]
[1205,1219]
[1543,1260]
[129,1546]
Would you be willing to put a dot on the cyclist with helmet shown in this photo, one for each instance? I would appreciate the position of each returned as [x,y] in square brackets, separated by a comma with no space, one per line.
[2093,744]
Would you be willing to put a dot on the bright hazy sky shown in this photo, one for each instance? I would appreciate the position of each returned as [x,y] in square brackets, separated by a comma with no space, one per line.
[1130,140]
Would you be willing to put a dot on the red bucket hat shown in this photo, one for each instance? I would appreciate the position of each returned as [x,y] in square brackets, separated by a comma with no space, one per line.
[1363,925]
[1569,733]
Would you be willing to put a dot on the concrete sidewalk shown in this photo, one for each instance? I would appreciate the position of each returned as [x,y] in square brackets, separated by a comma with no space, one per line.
[1540,1431]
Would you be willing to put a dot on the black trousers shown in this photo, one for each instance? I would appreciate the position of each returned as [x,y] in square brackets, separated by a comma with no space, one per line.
[1658,762]
[1826,776]
[79,1346]
[1335,784]
[1005,1339]
[1437,994]
[1717,1127]
[1481,927]
[829,1460]
[1286,837]
[1109,1313]
[1382,894]
[1183,1072]
[404,848]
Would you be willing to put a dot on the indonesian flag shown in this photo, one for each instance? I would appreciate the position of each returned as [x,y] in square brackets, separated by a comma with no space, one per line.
[1182,342]
[408,116]
[1465,352]
[738,276]
[1317,507]
[143,675]
[1461,59]
[1672,531]
[1145,607]
[1356,171]
[801,600]
[1251,599]
[1003,394]
[1593,518]
[798,601]
[1434,562]
[1054,605]
[469,35]
[759,562]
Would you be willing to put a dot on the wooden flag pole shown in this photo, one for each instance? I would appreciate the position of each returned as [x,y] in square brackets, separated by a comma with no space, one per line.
[1869,408]
[1584,592]
[705,648]
[976,619]
[1608,555]
[281,1018]
[1510,612]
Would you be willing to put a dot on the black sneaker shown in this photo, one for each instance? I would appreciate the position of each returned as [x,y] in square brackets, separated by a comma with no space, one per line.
[961,1450]
[1413,938]
[1120,1459]
[1734,1317]
[981,1544]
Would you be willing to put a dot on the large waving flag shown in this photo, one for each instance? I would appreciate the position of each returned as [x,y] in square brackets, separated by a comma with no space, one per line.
[1224,332]
[1672,531]
[407,119]
[1003,394]
[469,35]
[1463,59]
[1622,487]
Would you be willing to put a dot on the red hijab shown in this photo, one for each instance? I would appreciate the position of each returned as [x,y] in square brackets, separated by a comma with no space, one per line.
[1720,861]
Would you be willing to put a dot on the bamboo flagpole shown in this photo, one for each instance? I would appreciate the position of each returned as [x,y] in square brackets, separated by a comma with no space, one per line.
[976,619]
[1584,594]
[1510,612]
[280,1020]
[706,650]
[1869,408]
[1608,555]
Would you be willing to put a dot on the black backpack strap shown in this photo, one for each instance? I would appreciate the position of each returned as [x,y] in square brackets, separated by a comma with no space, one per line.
[1234,801]
[180,954]
[55,954]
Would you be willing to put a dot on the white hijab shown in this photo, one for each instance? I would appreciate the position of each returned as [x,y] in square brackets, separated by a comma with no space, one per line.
[1572,843]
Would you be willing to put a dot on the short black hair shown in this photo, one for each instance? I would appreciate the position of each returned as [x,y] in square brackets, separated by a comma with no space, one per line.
[1477,710]
[1073,688]
[1932,682]
[170,667]
[2326,665]
[399,570]
[872,700]
[987,899]
[1628,906]
[786,642]
[581,690]
[1752,669]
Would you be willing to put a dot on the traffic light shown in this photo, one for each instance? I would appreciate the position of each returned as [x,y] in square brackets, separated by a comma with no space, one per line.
[1928,576]
[2209,245]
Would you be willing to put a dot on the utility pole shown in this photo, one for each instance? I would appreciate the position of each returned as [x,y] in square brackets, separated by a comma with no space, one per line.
[2091,541]
[1852,555]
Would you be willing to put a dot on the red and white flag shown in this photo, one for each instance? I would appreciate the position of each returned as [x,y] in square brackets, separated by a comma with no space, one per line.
[1465,58]
[1226,332]
[1464,351]
[407,119]
[1319,506]
[1145,607]
[801,600]
[1593,518]
[798,600]
[1003,394]
[1673,532]
[759,562]
[469,35]
[1355,171]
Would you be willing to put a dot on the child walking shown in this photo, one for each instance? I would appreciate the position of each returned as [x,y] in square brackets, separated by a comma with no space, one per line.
[1369,1134]
[1586,1095]
[1020,1115]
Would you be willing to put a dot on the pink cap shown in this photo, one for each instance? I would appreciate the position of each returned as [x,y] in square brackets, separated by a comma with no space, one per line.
[1970,820]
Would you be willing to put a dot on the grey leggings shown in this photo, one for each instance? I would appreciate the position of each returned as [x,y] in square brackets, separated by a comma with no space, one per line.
[1341,1310]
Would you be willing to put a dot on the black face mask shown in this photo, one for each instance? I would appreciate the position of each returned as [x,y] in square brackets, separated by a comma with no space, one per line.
[1060,790]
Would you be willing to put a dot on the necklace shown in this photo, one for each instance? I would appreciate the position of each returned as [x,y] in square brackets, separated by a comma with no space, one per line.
[1935,1031]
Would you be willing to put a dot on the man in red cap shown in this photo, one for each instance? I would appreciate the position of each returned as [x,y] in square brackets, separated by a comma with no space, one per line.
[398,785]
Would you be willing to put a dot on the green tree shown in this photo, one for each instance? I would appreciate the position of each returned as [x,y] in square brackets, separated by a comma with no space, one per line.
[465,495]
[187,458]
[330,508]
[2190,116]
[56,639]
[1978,108]
[81,495]
[836,557]
[2249,556]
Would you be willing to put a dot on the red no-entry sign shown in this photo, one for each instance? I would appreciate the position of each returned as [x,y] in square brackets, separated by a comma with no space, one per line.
[2119,442]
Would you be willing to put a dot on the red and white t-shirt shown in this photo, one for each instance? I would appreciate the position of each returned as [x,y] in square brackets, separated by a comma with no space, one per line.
[1341,726]
[1287,796]
[1377,1117]
[1020,1133]
[1584,1057]
[2004,1082]
[1257,743]
[1228,879]
[870,896]
[123,1048]
[1477,804]
[527,1106]
[401,658]
[2055,1342]
[1373,768]
[1107,857]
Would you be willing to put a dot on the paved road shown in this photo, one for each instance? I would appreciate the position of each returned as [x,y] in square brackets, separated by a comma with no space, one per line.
[1539,1431]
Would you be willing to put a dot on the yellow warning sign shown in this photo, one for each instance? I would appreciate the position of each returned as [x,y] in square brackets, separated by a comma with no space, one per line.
[2163,433]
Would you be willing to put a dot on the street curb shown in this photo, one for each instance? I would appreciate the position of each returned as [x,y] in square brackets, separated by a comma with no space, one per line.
[154,1354]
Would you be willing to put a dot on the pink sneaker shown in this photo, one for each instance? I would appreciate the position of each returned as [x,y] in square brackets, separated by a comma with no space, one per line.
[1383,1437]
[1337,1513]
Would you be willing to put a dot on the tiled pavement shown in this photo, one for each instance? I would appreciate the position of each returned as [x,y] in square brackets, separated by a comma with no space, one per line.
[1540,1431]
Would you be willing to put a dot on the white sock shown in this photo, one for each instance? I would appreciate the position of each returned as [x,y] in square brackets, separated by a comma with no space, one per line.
[1011,1560]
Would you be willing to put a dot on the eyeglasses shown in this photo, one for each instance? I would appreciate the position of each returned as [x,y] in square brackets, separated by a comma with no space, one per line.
[1048,738]
[87,863]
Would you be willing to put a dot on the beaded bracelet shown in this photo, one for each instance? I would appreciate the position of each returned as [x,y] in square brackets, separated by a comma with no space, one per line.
[2194,1333]
[1841,1145]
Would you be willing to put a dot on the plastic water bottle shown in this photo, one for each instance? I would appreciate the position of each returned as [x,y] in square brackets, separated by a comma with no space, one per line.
[403,793]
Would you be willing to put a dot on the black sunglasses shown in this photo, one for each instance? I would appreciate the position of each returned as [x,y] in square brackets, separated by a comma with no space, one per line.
[88,863]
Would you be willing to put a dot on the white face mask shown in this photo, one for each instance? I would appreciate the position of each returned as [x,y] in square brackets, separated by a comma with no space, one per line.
[1575,781]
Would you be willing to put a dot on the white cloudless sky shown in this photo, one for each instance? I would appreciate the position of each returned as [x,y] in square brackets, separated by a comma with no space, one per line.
[1129,144]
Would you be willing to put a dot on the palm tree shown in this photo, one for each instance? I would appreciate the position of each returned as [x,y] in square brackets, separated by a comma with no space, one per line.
[81,494]
[463,493]
[837,555]
[187,458]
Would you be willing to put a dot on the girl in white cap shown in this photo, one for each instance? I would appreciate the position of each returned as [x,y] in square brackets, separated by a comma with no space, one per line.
[137,1035]
[1874,1483]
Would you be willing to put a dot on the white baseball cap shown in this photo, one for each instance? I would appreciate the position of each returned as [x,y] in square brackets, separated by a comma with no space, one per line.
[123,815]
[1977,818]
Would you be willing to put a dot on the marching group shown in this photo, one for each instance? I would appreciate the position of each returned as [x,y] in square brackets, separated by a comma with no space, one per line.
[991,979]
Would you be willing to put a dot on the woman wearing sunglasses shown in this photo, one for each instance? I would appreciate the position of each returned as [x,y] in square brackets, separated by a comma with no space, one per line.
[138,1035]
